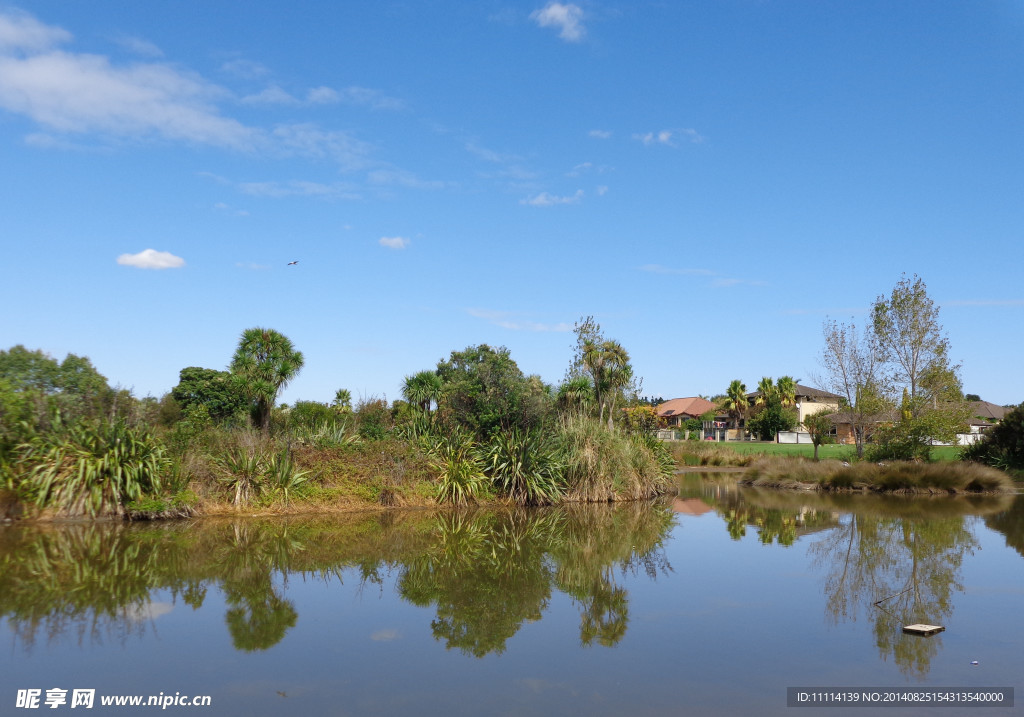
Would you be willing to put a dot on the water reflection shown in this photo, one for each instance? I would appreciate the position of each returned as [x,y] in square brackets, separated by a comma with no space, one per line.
[483,573]
[895,560]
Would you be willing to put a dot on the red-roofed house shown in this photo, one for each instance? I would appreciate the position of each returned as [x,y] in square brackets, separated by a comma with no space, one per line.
[679,410]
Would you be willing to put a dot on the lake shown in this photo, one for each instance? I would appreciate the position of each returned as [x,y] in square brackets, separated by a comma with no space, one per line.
[713,602]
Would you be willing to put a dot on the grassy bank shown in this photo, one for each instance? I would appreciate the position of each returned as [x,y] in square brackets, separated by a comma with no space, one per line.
[757,448]
[895,477]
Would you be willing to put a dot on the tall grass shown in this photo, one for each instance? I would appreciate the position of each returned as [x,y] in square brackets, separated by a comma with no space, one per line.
[602,466]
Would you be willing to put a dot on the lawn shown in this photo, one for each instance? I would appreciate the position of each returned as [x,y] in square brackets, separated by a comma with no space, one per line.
[939,453]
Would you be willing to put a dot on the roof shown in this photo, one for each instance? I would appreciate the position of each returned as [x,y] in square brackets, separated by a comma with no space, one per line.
[807,392]
[693,406]
[989,411]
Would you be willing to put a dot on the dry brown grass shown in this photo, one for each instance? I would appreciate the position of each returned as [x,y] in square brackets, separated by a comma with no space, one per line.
[890,477]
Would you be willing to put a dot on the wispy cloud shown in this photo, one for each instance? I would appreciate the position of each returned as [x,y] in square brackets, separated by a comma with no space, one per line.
[544,199]
[568,19]
[599,134]
[358,96]
[509,320]
[298,188]
[151,259]
[138,46]
[394,242]
[669,137]
[83,94]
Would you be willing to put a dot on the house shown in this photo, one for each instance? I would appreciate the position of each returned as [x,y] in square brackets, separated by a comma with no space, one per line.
[679,410]
[808,401]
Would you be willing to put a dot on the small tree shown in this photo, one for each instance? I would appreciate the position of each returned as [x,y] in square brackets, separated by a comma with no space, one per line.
[1003,447]
[819,425]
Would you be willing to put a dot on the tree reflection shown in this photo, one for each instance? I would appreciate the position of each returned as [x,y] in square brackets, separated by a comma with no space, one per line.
[900,571]
[485,573]
[490,572]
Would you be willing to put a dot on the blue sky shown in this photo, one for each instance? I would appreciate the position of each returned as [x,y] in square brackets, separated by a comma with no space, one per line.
[709,180]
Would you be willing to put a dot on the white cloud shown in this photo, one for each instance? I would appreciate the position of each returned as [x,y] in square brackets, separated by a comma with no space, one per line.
[308,140]
[323,96]
[140,47]
[602,190]
[508,320]
[79,93]
[545,199]
[151,259]
[567,18]
[668,137]
[246,69]
[394,242]
[299,188]
[272,95]
[599,134]
[21,31]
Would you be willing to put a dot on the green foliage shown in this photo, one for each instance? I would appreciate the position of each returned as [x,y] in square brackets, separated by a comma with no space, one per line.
[263,364]
[310,413]
[283,475]
[422,389]
[819,425]
[772,419]
[214,390]
[342,400]
[373,419]
[244,470]
[736,402]
[93,468]
[462,478]
[524,466]
[1003,445]
[484,391]
[911,437]
[602,466]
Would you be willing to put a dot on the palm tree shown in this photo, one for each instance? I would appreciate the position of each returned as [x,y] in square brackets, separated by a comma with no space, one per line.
[342,400]
[264,362]
[786,388]
[422,389]
[766,391]
[736,402]
[607,362]
[576,393]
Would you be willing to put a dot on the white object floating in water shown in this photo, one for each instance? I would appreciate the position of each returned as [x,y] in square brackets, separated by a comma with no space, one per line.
[923,629]
[974,662]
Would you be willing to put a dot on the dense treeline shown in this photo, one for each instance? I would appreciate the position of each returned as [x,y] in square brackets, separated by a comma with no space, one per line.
[473,428]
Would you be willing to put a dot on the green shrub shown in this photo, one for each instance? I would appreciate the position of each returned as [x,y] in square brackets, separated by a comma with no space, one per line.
[462,478]
[1003,446]
[524,466]
[93,468]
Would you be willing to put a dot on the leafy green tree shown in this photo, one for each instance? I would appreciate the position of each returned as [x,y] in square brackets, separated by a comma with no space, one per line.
[819,425]
[909,334]
[576,394]
[72,386]
[213,389]
[770,420]
[264,363]
[484,391]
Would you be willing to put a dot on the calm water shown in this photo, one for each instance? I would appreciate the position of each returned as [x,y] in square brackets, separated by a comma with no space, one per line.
[712,603]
